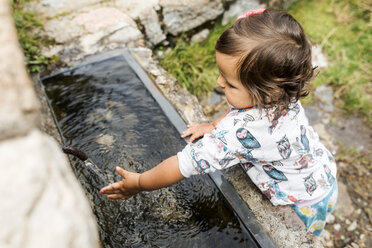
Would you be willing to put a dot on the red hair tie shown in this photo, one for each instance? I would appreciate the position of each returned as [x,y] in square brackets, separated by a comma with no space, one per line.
[252,12]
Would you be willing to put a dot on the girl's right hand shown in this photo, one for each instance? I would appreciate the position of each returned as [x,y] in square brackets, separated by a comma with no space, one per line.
[124,189]
[197,130]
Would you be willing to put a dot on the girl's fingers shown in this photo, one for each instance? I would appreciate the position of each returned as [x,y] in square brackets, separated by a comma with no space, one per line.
[114,187]
[193,137]
[185,134]
[115,196]
[121,171]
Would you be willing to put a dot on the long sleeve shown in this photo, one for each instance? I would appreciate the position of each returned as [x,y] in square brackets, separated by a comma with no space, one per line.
[206,155]
[226,146]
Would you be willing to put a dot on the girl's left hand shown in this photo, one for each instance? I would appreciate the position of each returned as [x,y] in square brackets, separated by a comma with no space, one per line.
[197,130]
[125,188]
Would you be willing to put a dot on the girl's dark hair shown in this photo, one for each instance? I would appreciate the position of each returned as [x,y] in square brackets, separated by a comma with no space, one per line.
[275,57]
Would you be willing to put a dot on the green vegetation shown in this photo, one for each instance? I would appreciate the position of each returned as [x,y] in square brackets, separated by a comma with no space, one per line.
[343,28]
[194,65]
[352,156]
[31,43]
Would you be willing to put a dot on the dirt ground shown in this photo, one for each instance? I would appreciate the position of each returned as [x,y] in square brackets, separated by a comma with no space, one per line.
[352,225]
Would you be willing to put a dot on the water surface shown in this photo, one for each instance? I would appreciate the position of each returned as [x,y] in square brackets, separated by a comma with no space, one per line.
[104,109]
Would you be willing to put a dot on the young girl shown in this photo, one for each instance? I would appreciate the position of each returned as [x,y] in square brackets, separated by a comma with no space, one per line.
[264,61]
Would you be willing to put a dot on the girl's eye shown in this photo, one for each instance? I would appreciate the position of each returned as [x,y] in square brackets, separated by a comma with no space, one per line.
[229,85]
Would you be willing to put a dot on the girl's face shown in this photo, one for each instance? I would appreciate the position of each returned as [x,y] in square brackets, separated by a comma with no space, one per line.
[236,94]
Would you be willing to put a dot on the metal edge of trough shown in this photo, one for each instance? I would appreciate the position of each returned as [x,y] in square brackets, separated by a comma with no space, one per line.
[225,187]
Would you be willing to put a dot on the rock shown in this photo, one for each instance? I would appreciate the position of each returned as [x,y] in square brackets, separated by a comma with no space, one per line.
[240,7]
[18,104]
[325,95]
[125,35]
[330,218]
[149,19]
[322,132]
[344,206]
[71,31]
[354,245]
[118,28]
[337,227]
[353,226]
[53,8]
[106,139]
[280,4]
[200,37]
[100,18]
[326,238]
[90,43]
[317,57]
[211,99]
[43,201]
[134,9]
[52,50]
[313,114]
[183,15]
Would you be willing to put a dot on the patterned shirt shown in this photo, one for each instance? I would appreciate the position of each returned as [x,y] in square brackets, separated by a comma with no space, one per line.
[280,152]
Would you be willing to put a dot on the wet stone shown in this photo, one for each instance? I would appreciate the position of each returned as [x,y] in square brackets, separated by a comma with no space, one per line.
[106,139]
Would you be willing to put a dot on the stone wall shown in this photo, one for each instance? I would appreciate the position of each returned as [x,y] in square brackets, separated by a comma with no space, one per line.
[42,204]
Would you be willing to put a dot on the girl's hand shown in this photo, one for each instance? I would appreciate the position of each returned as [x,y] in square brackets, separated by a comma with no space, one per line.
[197,130]
[124,189]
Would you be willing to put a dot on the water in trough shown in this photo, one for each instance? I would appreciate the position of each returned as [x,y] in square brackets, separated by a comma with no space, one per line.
[104,109]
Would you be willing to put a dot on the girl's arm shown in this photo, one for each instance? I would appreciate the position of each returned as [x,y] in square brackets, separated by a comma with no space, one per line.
[163,175]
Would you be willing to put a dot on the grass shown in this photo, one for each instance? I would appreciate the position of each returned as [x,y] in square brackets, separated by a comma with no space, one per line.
[26,24]
[342,27]
[194,65]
